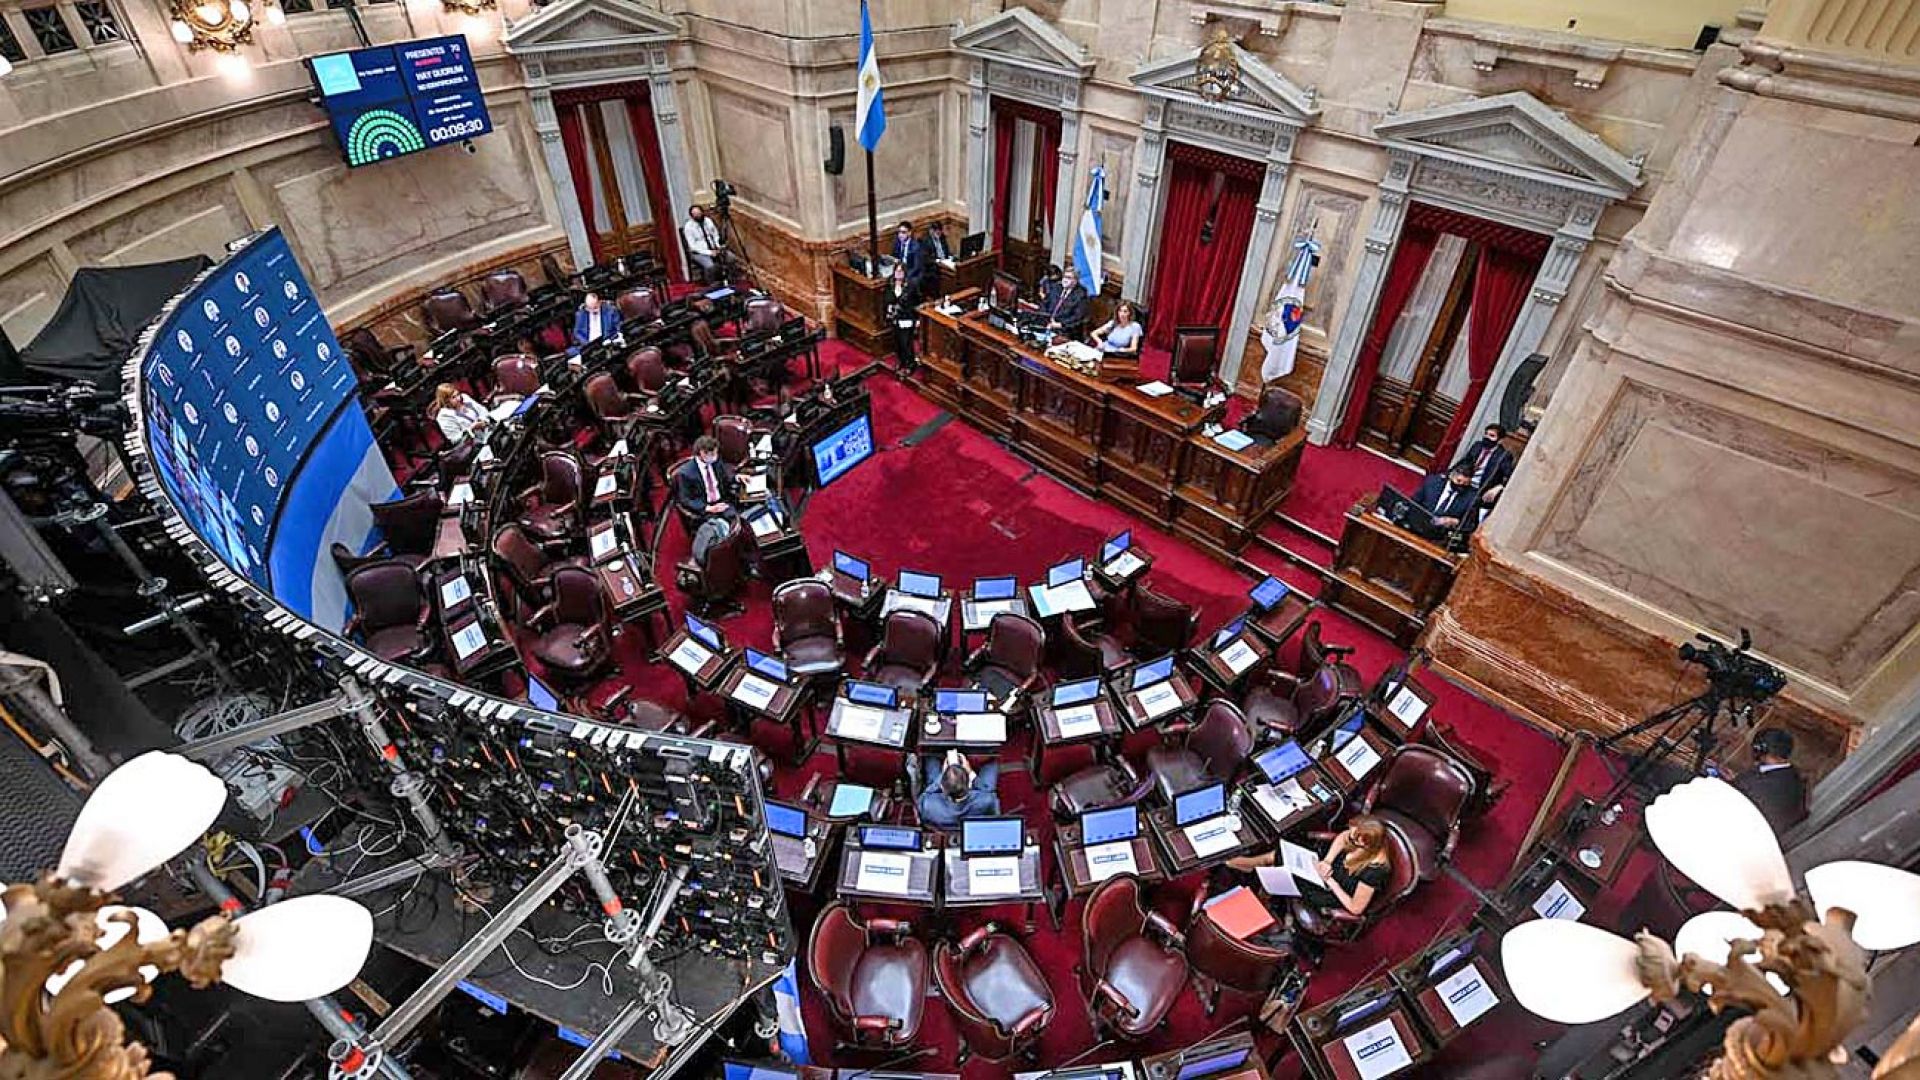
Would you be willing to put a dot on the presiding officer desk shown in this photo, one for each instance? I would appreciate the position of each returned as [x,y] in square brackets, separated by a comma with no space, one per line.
[1152,455]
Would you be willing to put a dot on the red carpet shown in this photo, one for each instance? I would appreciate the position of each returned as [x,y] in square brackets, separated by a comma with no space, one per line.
[1332,480]
[963,506]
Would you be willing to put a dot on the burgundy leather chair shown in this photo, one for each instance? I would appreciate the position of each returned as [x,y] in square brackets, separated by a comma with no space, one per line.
[1276,416]
[1099,786]
[367,354]
[527,565]
[409,526]
[575,639]
[1422,790]
[1196,359]
[390,612]
[735,436]
[612,700]
[613,409]
[559,499]
[806,628]
[1215,748]
[448,309]
[515,376]
[1134,960]
[1221,961]
[1073,655]
[641,304]
[502,289]
[712,585]
[1161,624]
[998,996]
[764,316]
[648,370]
[1011,657]
[1406,853]
[1298,705]
[872,974]
[908,654]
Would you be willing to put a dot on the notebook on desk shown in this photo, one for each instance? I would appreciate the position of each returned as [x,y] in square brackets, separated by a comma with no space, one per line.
[1239,913]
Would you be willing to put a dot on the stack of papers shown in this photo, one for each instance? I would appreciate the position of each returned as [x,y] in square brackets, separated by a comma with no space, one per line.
[1158,700]
[1211,837]
[755,484]
[980,728]
[461,495]
[1234,440]
[1106,860]
[1275,881]
[998,875]
[689,656]
[763,525]
[1081,720]
[1284,799]
[1300,862]
[1124,565]
[754,691]
[1156,388]
[1239,912]
[1466,995]
[860,722]
[884,872]
[1050,601]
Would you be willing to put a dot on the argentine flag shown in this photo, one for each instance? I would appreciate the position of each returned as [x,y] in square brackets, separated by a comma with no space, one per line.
[1281,335]
[793,1033]
[870,118]
[1086,243]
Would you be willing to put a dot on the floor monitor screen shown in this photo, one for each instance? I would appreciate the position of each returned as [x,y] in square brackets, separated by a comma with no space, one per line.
[835,454]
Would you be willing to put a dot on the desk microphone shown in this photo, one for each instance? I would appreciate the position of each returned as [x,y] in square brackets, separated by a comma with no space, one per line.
[915,1054]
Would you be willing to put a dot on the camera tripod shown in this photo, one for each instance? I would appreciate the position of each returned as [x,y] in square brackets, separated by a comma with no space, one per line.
[736,248]
[1690,721]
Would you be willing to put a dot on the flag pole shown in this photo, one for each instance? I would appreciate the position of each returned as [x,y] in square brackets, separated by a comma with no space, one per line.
[873,222]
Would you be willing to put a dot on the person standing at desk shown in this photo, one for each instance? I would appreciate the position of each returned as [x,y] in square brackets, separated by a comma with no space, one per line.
[1451,499]
[912,254]
[903,314]
[704,485]
[1120,334]
[458,416]
[1066,306]
[593,321]
[1773,784]
[704,248]
[954,792]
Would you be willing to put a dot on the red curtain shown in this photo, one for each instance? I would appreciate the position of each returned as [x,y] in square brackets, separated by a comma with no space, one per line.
[573,136]
[1003,121]
[1046,168]
[1203,244]
[1488,234]
[1500,285]
[1409,262]
[653,172]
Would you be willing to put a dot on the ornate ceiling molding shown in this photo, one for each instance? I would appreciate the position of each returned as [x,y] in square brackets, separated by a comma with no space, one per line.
[1020,38]
[1264,95]
[1512,135]
[579,26]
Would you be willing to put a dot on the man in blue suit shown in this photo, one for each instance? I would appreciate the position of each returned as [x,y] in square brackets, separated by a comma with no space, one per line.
[1451,499]
[594,321]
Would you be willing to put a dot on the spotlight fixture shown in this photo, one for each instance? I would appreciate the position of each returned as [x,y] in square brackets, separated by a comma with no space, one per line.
[468,7]
[220,25]
[66,949]
[1797,965]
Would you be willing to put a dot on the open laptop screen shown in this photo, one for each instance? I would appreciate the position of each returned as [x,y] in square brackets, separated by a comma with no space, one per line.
[994,588]
[1065,573]
[992,836]
[1111,550]
[1106,826]
[915,583]
[959,701]
[1200,804]
[850,566]
[1157,671]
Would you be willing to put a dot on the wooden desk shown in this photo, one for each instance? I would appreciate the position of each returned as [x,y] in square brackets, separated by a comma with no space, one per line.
[487,653]
[1276,815]
[923,870]
[1348,778]
[1047,733]
[1078,877]
[1225,495]
[969,274]
[1612,842]
[636,597]
[955,889]
[1122,571]
[798,870]
[1136,714]
[1329,1042]
[977,615]
[785,708]
[896,727]
[860,310]
[940,610]
[1387,577]
[941,731]
[1464,982]
[1281,621]
[1225,670]
[700,666]
[1168,1065]
[1180,856]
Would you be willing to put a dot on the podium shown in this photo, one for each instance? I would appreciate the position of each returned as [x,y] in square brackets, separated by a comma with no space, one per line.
[1387,577]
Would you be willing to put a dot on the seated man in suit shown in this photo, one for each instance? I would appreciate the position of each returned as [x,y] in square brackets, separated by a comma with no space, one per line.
[954,792]
[1773,784]
[1065,306]
[704,485]
[1451,499]
[593,321]
[938,249]
[1488,464]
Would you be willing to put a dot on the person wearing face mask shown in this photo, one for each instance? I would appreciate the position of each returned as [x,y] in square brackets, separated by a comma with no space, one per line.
[1452,500]
[703,485]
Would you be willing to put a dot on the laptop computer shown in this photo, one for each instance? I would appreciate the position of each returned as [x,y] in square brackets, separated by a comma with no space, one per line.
[994,588]
[889,838]
[1268,593]
[915,583]
[1228,632]
[1199,1062]
[1200,804]
[788,826]
[1112,549]
[1280,762]
[992,836]
[1109,826]
[876,694]
[1155,671]
[972,244]
[953,702]
[1066,573]
[540,697]
[704,632]
[770,666]
[1075,693]
[856,569]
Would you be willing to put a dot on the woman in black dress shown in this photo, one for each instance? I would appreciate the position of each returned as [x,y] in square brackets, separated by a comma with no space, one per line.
[1355,867]
[903,314]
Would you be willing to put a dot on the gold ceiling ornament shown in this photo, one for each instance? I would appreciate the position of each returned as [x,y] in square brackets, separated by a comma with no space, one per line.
[1217,75]
[73,1033]
[220,25]
[468,7]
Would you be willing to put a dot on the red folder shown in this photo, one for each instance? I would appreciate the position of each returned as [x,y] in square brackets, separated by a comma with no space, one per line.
[1239,912]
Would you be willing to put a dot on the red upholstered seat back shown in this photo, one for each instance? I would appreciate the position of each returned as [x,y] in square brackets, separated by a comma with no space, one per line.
[1016,643]
[648,369]
[1112,917]
[839,940]
[410,525]
[803,609]
[1222,739]
[735,436]
[641,303]
[910,639]
[503,289]
[386,593]
[517,374]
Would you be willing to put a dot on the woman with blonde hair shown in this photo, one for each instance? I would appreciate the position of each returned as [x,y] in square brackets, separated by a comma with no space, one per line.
[1356,866]
[458,416]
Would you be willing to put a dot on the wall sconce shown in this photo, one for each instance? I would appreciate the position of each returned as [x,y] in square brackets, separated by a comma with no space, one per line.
[66,950]
[220,25]
[1798,965]
[468,7]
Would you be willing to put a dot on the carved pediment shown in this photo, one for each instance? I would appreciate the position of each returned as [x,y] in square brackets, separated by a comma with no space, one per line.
[1263,91]
[574,24]
[1515,133]
[1018,36]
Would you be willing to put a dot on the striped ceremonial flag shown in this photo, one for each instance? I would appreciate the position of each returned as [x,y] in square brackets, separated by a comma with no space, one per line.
[870,118]
[1086,243]
[1281,335]
[793,1033]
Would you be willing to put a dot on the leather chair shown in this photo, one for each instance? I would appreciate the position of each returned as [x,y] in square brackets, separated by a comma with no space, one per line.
[1406,853]
[872,974]
[1298,705]
[1276,416]
[367,354]
[502,289]
[1073,655]
[1422,790]
[1011,657]
[648,370]
[1161,624]
[612,700]
[527,565]
[448,309]
[638,305]
[613,409]
[1099,787]
[575,633]
[712,584]
[764,316]
[557,278]
[409,526]
[1196,359]
[560,498]
[390,611]
[909,652]
[806,628]
[515,377]
[1221,961]
[1133,958]
[735,436]
[1216,747]
[998,996]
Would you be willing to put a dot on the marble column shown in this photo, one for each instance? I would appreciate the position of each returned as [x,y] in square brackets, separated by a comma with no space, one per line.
[1143,205]
[673,141]
[1068,183]
[1266,218]
[1550,286]
[979,166]
[1382,236]
[547,124]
